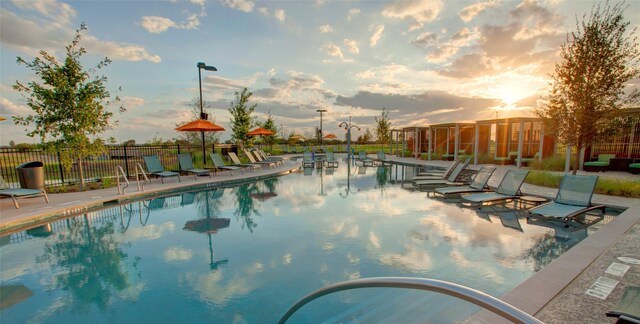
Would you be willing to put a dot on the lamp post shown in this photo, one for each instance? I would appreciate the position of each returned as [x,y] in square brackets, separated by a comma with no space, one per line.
[321,111]
[204,116]
[348,127]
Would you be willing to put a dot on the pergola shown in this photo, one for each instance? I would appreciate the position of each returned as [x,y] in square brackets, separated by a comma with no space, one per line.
[452,140]
[416,138]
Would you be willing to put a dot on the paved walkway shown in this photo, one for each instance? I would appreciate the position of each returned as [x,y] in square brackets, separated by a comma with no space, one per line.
[556,294]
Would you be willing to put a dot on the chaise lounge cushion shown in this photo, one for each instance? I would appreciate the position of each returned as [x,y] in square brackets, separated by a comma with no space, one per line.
[603,160]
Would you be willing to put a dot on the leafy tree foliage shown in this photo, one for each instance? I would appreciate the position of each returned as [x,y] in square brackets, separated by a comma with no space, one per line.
[241,117]
[588,86]
[383,127]
[69,104]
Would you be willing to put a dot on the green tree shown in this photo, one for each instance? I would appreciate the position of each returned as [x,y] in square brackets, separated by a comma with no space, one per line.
[241,120]
[588,88]
[269,124]
[383,127]
[69,104]
[195,138]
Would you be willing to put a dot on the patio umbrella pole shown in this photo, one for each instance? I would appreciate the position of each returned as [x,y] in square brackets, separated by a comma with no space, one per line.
[204,154]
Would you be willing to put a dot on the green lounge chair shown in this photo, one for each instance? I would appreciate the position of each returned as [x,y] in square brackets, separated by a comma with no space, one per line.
[15,193]
[627,310]
[236,162]
[508,189]
[602,164]
[432,174]
[478,184]
[186,165]
[330,160]
[426,183]
[261,156]
[362,157]
[382,158]
[219,164]
[156,169]
[307,159]
[253,160]
[573,199]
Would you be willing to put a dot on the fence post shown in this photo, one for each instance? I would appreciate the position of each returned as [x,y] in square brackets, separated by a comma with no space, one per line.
[60,167]
[178,148]
[126,160]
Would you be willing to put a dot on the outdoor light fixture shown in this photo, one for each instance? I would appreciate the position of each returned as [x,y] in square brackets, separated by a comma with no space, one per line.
[204,116]
[348,127]
[321,111]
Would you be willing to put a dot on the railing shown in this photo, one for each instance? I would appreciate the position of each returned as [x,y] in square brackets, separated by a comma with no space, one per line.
[471,295]
[120,172]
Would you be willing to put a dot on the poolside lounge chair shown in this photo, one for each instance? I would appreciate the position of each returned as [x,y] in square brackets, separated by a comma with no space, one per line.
[602,164]
[254,161]
[186,165]
[573,199]
[307,160]
[262,156]
[20,193]
[508,189]
[628,307]
[382,158]
[330,160]
[478,184]
[362,157]
[440,182]
[442,174]
[219,164]
[155,168]
[236,162]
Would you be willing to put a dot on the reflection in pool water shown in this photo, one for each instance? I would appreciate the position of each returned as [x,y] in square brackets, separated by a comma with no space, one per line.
[247,253]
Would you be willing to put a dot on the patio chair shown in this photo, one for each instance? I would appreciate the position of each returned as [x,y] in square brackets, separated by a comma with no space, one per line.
[236,162]
[508,189]
[186,165]
[602,164]
[219,164]
[330,160]
[382,158]
[479,184]
[15,193]
[307,160]
[573,199]
[627,310]
[436,181]
[362,157]
[441,174]
[155,168]
[263,157]
[254,161]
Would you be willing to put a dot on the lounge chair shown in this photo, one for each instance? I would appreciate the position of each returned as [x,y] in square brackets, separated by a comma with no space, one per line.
[330,160]
[236,162]
[307,160]
[508,189]
[627,310]
[155,168]
[262,156]
[382,158]
[441,174]
[602,164]
[440,182]
[254,161]
[362,157]
[478,184]
[186,165]
[219,164]
[15,193]
[573,199]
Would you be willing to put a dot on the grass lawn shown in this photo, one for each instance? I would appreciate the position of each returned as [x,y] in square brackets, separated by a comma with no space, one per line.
[611,187]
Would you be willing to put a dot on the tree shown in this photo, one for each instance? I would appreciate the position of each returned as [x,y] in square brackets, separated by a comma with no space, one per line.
[195,138]
[383,127]
[366,138]
[241,117]
[70,105]
[269,124]
[588,86]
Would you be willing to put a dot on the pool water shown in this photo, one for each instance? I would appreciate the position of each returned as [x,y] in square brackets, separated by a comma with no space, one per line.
[245,254]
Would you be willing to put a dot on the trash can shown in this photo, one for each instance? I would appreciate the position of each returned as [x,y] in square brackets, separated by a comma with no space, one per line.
[31,175]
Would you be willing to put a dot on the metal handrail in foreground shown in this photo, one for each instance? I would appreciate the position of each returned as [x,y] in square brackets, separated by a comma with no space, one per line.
[471,295]
[119,172]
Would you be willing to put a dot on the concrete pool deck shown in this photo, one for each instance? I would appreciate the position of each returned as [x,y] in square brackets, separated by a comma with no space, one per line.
[554,294]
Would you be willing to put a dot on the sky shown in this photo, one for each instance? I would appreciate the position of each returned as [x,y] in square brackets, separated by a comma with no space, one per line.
[426,62]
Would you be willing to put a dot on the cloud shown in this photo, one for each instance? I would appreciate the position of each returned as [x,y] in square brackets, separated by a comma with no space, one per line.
[157,25]
[420,11]
[425,40]
[352,46]
[324,29]
[9,108]
[280,15]
[353,12]
[242,5]
[377,33]
[58,12]
[132,102]
[469,12]
[334,51]
[264,11]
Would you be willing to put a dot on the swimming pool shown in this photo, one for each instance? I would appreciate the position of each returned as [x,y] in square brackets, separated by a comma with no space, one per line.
[247,253]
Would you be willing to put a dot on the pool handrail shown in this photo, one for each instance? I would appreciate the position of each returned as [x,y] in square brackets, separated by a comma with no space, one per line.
[471,295]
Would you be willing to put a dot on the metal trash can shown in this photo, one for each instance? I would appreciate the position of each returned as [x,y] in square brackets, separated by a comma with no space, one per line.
[31,175]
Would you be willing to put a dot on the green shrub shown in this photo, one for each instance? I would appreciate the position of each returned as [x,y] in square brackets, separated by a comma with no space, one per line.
[552,163]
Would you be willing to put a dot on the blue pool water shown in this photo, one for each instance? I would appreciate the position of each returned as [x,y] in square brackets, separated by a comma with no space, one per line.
[247,253]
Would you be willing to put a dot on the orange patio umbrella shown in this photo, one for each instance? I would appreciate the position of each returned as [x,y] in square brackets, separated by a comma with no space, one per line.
[2,118]
[201,125]
[330,136]
[260,132]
